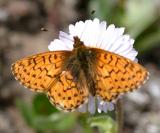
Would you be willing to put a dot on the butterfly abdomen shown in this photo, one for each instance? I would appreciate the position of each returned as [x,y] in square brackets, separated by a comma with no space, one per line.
[86,59]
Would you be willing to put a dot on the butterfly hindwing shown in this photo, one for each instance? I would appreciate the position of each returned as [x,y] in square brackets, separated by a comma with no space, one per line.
[67,94]
[115,75]
[37,72]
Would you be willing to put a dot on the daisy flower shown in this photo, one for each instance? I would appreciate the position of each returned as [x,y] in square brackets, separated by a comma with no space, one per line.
[94,33]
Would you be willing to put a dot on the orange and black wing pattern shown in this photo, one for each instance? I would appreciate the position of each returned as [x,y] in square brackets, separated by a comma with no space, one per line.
[37,72]
[46,73]
[68,94]
[115,75]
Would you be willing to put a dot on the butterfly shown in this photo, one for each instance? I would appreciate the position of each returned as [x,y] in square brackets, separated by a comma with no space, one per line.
[68,78]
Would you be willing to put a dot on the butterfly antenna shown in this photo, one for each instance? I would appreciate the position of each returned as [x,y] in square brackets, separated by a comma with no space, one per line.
[77,42]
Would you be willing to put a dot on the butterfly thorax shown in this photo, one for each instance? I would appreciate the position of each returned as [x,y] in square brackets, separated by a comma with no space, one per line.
[81,63]
[77,43]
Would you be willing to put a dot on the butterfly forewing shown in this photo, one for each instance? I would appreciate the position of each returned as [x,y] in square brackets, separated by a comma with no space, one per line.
[116,75]
[37,72]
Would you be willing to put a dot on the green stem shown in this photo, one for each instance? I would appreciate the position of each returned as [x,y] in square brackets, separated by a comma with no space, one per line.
[119,115]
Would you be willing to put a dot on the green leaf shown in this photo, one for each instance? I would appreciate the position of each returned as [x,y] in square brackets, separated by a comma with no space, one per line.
[27,113]
[41,105]
[148,42]
[109,10]
[83,121]
[104,123]
[140,14]
[58,122]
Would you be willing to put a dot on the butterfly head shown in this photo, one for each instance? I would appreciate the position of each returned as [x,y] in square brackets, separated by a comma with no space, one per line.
[77,43]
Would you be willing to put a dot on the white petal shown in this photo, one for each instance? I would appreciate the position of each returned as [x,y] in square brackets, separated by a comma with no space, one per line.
[121,31]
[77,29]
[96,34]
[99,109]
[100,106]
[57,45]
[91,105]
[82,108]
[126,44]
[64,37]
[117,34]
[105,108]
[102,29]
[88,33]
[136,60]
[109,33]
[110,106]
[122,44]
[119,40]
[130,54]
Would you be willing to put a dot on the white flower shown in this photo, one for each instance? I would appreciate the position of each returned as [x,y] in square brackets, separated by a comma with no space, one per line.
[96,34]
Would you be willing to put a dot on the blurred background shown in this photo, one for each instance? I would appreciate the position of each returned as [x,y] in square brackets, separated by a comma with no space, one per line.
[21,34]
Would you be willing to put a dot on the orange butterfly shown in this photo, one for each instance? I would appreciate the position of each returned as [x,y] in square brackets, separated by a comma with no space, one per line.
[69,77]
